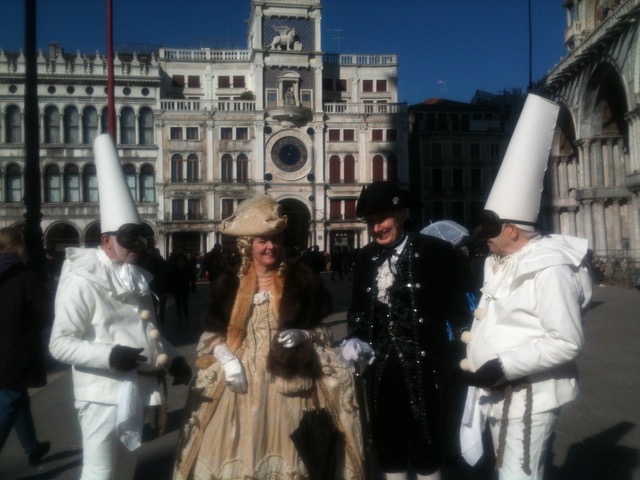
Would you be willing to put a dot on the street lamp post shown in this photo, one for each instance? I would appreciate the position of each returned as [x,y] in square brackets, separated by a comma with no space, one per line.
[32,198]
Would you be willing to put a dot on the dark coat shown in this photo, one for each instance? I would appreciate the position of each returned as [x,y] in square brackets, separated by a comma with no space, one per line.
[24,311]
[412,329]
[305,302]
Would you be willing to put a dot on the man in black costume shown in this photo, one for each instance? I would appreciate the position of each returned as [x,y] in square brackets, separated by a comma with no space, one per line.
[406,286]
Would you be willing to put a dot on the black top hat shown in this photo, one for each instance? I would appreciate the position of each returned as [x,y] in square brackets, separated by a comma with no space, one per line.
[384,195]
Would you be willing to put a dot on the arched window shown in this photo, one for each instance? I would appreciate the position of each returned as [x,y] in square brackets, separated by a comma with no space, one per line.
[193,168]
[104,120]
[147,184]
[392,168]
[51,125]
[176,168]
[130,177]
[127,126]
[145,126]
[226,168]
[71,125]
[242,168]
[71,184]
[52,184]
[13,184]
[89,125]
[13,127]
[90,183]
[334,169]
[349,169]
[378,168]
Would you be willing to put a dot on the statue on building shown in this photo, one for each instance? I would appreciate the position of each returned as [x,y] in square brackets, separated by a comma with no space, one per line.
[285,39]
[289,96]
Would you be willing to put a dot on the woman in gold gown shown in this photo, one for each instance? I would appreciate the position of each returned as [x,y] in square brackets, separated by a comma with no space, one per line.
[264,359]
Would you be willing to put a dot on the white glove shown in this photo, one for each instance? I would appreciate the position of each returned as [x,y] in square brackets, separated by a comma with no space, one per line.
[354,351]
[233,370]
[293,337]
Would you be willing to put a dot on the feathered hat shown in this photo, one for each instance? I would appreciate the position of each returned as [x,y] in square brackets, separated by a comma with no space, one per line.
[256,216]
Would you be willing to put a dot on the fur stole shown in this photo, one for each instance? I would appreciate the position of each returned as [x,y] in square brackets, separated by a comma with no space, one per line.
[299,299]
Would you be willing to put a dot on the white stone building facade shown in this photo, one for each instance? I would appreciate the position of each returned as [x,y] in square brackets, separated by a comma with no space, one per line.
[200,130]
[594,188]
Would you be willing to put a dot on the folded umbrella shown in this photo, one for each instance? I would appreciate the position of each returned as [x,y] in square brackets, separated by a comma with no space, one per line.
[317,440]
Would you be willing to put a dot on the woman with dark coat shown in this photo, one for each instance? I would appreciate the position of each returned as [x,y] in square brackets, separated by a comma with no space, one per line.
[264,360]
[23,313]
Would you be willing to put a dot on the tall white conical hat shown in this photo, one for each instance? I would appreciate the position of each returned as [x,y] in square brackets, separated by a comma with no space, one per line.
[516,192]
[116,204]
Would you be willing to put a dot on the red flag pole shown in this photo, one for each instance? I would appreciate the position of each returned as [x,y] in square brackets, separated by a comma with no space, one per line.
[111,108]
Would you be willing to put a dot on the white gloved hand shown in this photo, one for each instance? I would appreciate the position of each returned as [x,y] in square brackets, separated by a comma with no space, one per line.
[233,370]
[354,351]
[293,337]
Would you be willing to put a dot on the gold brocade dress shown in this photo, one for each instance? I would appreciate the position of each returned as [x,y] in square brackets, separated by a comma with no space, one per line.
[230,436]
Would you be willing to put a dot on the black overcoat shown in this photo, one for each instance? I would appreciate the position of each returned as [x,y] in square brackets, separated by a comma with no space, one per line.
[412,328]
[25,309]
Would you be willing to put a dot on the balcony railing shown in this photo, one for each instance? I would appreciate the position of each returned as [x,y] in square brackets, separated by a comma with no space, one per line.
[204,55]
[364,108]
[215,105]
[355,59]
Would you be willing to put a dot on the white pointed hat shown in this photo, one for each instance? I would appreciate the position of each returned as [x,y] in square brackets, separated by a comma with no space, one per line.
[116,203]
[516,193]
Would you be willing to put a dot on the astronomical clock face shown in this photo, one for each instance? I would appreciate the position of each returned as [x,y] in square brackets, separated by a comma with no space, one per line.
[289,154]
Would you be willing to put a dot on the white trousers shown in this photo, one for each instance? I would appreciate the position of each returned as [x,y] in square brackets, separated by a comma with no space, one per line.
[104,456]
[542,425]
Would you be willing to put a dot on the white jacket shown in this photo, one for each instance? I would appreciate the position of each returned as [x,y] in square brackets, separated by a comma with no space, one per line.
[530,317]
[100,304]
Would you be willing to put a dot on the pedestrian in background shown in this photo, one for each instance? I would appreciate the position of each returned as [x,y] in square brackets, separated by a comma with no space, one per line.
[215,262]
[24,312]
[336,264]
[182,283]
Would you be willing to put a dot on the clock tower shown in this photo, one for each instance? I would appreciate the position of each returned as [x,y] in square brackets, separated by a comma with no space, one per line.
[286,57]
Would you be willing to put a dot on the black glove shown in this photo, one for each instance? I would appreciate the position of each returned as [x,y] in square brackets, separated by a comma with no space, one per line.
[486,376]
[180,371]
[125,358]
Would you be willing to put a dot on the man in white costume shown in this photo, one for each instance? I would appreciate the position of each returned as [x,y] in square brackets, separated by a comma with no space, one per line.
[527,330]
[105,327]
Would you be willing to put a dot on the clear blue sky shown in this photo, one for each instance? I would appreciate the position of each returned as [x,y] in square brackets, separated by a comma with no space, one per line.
[445,48]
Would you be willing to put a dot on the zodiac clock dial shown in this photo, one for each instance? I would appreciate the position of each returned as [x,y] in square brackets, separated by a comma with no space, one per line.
[289,154]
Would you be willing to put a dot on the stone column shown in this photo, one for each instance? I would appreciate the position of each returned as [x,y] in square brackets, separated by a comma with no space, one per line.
[600,239]
[618,166]
[585,162]
[597,174]
[634,137]
[573,173]
[555,176]
[634,224]
[587,222]
[617,224]
[607,163]
[136,120]
[564,177]
[572,220]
